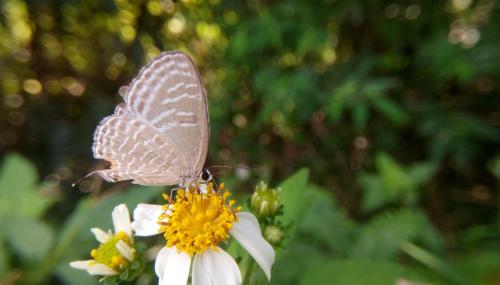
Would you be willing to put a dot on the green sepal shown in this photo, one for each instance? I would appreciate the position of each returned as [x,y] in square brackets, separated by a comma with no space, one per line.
[132,270]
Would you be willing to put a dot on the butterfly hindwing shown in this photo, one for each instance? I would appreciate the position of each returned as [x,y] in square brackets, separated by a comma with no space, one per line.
[135,151]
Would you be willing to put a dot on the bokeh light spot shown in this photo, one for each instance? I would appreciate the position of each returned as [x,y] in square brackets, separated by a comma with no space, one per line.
[240,121]
[32,86]
[127,33]
[155,8]
[412,12]
[13,100]
[177,24]
[391,11]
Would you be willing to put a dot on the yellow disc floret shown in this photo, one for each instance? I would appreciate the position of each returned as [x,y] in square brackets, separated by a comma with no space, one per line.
[199,218]
[107,253]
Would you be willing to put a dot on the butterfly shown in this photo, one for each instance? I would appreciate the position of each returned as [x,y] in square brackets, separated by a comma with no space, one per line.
[159,135]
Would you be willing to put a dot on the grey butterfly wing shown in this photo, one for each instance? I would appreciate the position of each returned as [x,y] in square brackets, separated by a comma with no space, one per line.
[135,151]
[169,96]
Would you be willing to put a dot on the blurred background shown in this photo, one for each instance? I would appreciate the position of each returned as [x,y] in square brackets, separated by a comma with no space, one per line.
[390,108]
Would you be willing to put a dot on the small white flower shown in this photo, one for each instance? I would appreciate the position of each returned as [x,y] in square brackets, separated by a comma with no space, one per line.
[193,226]
[115,251]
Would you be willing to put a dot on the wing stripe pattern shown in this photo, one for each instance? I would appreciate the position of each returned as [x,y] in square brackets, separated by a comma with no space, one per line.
[160,134]
[144,156]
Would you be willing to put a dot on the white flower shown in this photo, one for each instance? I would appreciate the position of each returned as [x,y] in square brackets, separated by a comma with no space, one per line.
[193,226]
[115,250]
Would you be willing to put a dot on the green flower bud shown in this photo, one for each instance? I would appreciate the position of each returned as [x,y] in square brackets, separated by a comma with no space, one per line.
[265,201]
[273,234]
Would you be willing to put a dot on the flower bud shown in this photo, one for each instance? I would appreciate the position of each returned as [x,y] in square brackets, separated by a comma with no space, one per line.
[265,201]
[273,234]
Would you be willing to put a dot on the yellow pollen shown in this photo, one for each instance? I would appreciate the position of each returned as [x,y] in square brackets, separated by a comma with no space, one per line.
[94,253]
[117,260]
[197,220]
[108,254]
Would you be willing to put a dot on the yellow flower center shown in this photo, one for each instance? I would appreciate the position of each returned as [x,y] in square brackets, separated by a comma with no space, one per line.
[107,253]
[197,219]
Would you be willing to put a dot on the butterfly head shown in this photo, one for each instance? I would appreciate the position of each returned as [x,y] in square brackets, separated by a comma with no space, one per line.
[206,176]
[201,179]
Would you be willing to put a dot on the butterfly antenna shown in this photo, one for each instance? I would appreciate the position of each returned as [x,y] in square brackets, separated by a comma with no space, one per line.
[259,172]
[234,167]
[77,183]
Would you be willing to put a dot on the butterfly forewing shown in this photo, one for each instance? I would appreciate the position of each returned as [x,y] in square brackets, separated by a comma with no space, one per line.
[159,136]
[169,96]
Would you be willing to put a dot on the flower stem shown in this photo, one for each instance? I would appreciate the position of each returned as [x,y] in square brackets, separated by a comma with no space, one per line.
[248,273]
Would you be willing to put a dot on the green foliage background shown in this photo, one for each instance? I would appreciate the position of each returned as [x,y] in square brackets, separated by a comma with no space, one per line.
[392,106]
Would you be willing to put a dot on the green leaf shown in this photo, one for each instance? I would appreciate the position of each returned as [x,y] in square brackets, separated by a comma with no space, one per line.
[340,98]
[360,116]
[374,194]
[392,174]
[420,173]
[381,237]
[4,263]
[323,212]
[18,190]
[392,183]
[295,198]
[354,272]
[494,166]
[31,239]
[390,110]
[481,266]
[435,263]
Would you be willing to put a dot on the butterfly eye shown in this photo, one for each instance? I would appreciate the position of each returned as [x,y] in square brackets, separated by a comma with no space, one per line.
[205,175]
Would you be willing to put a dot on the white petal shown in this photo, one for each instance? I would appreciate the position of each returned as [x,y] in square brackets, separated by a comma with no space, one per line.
[172,267]
[146,219]
[215,267]
[125,250]
[121,219]
[80,264]
[100,235]
[247,232]
[101,269]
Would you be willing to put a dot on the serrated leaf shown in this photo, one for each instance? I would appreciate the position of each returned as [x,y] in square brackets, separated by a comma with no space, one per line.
[381,237]
[30,239]
[322,213]
[391,183]
[19,195]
